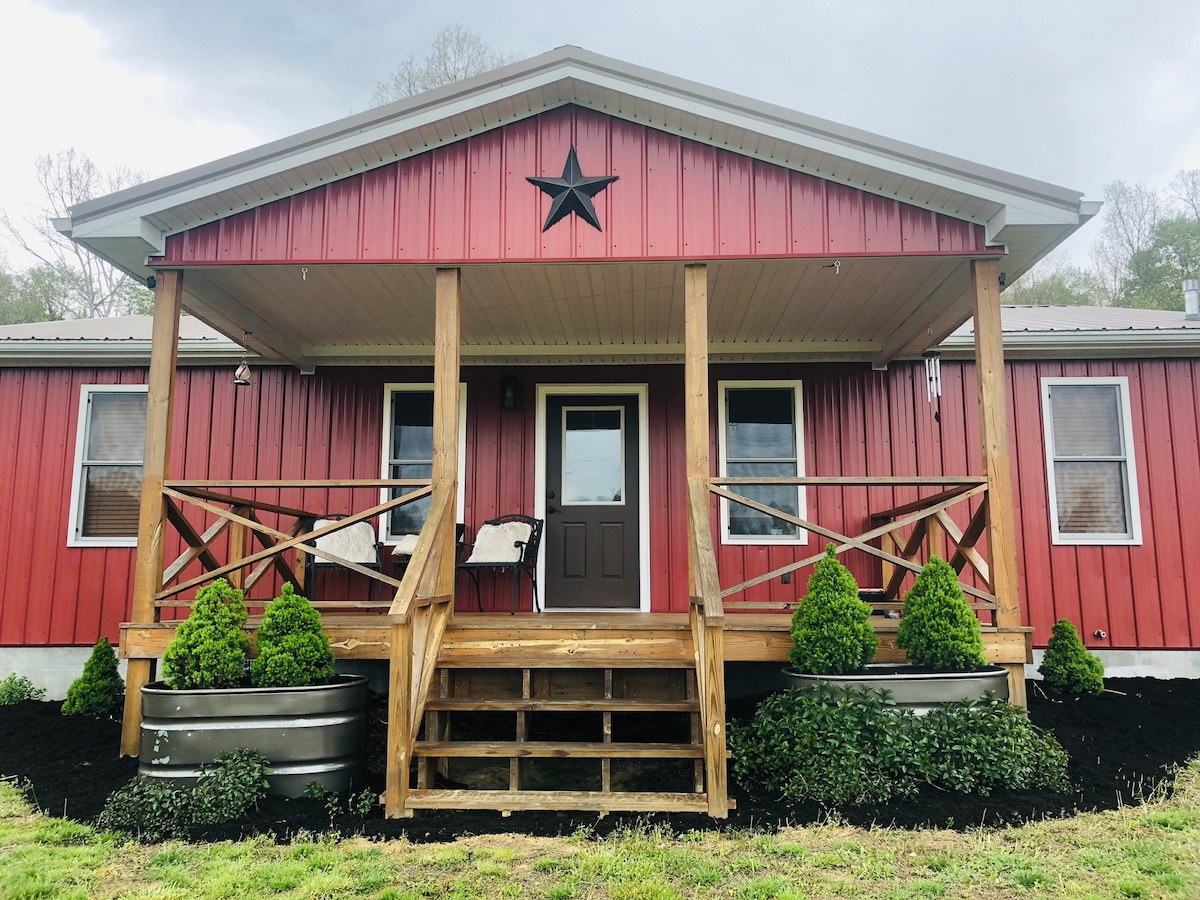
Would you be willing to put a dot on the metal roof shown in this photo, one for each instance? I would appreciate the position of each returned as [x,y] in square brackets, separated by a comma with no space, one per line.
[115,341]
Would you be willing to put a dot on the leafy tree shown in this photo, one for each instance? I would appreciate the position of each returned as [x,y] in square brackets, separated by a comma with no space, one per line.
[456,53]
[1055,281]
[86,286]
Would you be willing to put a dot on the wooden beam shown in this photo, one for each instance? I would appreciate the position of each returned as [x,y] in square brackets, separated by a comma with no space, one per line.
[156,459]
[399,735]
[448,337]
[993,436]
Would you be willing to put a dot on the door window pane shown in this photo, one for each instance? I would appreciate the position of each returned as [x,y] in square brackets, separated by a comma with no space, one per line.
[593,456]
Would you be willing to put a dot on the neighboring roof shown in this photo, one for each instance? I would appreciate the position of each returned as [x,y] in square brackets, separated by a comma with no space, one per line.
[1085,331]
[1029,217]
[119,340]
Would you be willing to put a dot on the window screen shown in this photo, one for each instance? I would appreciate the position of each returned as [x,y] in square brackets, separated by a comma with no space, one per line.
[1090,460]
[110,475]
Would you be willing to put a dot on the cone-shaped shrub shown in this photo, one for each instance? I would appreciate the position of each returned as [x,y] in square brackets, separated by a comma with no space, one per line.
[292,649]
[831,628]
[1068,667]
[210,646]
[99,691]
[938,628]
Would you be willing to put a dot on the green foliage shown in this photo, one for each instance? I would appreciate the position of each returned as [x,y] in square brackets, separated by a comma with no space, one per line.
[210,647]
[1068,667]
[292,649]
[153,809]
[237,781]
[831,628]
[846,748]
[148,809]
[99,691]
[15,688]
[837,747]
[938,628]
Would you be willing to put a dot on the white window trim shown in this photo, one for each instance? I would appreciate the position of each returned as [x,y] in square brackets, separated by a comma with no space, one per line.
[75,517]
[385,447]
[1134,537]
[802,493]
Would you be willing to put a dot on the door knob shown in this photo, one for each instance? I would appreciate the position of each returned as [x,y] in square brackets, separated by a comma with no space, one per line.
[551,510]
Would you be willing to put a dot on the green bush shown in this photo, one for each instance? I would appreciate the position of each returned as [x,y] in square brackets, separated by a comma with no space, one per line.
[237,781]
[831,628]
[210,646]
[837,747]
[99,691]
[938,628]
[1068,667]
[292,649]
[154,809]
[15,688]
[846,748]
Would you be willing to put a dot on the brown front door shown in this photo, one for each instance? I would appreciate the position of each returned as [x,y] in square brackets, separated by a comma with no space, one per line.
[592,496]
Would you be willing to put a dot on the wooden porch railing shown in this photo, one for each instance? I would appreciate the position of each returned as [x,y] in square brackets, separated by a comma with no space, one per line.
[909,532]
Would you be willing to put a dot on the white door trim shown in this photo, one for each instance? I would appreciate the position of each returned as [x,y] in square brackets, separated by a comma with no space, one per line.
[641,391]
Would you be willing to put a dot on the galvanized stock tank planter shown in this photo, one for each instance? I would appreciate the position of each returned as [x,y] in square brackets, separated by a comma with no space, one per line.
[913,687]
[313,733]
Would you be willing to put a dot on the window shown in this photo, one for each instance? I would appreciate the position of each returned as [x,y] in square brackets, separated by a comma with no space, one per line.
[107,486]
[1089,456]
[408,452]
[761,435]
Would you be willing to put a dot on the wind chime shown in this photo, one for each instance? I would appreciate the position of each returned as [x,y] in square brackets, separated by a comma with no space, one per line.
[933,382]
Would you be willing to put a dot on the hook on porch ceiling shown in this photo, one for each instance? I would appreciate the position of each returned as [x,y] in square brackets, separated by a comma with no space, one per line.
[836,265]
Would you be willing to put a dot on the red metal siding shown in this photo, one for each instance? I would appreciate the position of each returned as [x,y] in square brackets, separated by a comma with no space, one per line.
[675,199]
[856,422]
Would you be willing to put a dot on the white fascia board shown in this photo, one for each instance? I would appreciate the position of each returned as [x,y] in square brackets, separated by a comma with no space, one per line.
[41,353]
[1185,341]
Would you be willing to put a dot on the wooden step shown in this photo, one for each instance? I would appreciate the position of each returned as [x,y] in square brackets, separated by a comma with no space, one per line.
[558,750]
[455,704]
[590,801]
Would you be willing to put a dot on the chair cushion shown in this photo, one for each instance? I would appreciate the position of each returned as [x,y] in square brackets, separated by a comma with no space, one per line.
[355,543]
[494,544]
[406,545]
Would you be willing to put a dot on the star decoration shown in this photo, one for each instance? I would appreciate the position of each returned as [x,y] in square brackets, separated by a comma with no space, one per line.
[573,193]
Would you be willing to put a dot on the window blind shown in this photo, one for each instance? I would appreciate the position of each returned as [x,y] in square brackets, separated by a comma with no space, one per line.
[1090,460]
[112,464]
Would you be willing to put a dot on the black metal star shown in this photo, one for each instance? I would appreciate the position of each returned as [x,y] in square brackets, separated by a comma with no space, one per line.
[573,193]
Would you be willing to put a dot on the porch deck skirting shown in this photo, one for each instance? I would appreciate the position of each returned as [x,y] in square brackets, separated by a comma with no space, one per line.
[584,639]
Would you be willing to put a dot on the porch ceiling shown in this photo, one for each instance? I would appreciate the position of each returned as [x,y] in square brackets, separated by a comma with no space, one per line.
[872,309]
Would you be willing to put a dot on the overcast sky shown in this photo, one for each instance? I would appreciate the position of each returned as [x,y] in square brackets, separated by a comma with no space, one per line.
[1074,93]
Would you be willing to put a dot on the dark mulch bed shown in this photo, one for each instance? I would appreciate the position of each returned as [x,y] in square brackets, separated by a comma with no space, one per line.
[1122,743]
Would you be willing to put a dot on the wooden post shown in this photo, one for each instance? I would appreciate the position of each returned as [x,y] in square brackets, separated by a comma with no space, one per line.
[993,435]
[152,519]
[447,335]
[399,737]
[695,369]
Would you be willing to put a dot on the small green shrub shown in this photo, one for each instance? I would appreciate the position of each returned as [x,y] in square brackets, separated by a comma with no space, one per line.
[831,628]
[148,809]
[15,688]
[237,781]
[210,646]
[839,748]
[938,628]
[1068,667]
[99,691]
[987,744]
[292,649]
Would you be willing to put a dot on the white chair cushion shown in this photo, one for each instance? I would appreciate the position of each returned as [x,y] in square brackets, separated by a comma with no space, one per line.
[406,545]
[355,543]
[495,543]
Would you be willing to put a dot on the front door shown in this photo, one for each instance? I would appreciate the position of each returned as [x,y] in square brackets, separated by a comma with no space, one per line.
[592,502]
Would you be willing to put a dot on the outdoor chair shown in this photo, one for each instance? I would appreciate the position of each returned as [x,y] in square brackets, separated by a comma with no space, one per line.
[506,542]
[355,543]
[402,551]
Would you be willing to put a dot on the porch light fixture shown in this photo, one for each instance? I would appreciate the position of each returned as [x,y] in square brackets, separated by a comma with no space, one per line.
[508,398]
[241,375]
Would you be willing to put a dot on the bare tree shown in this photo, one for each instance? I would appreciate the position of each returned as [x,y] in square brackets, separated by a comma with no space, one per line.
[1185,190]
[1056,281]
[91,287]
[456,53]
[1131,215]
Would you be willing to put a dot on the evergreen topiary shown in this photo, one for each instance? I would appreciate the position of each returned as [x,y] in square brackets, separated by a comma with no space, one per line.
[292,649]
[938,628]
[1068,667]
[831,629]
[210,646]
[99,691]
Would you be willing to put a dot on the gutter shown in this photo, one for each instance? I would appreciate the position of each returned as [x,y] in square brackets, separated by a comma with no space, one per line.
[42,353]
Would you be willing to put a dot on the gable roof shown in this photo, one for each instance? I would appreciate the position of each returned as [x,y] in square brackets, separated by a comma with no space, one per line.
[1026,216]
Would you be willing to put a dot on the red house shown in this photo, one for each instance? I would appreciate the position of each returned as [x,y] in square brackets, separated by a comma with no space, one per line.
[681,328]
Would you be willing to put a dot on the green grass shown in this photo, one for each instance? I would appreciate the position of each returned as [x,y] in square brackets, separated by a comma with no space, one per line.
[1150,851]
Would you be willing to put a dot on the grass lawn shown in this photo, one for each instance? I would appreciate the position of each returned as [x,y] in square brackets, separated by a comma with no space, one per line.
[1144,851]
